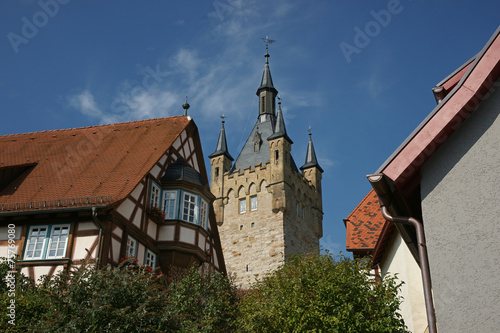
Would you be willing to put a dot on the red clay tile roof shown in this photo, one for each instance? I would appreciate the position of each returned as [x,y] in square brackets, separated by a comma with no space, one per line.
[106,160]
[364,224]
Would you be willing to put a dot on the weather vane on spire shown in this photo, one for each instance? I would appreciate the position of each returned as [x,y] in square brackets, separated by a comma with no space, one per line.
[268,41]
[309,130]
[223,117]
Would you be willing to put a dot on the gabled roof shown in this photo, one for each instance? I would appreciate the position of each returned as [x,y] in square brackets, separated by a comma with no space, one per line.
[105,161]
[364,225]
[403,166]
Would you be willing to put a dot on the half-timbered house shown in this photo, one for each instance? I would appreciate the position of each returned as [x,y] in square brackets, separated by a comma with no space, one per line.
[137,189]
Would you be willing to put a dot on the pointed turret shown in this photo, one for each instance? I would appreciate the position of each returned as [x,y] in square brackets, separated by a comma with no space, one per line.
[311,169]
[279,128]
[221,148]
[267,93]
[311,160]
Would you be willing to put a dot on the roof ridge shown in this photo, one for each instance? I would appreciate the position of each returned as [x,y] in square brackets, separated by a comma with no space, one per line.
[91,126]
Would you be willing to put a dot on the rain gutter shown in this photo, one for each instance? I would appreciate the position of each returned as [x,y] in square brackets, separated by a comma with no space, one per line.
[381,187]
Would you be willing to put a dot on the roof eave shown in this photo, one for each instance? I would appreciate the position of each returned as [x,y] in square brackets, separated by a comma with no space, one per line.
[446,117]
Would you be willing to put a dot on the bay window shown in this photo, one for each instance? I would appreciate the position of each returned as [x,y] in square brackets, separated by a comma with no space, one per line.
[169,204]
[155,195]
[204,214]
[189,208]
[181,205]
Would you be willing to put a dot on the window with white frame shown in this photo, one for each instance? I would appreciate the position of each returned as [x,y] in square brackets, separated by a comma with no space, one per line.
[253,203]
[47,242]
[169,204]
[155,195]
[243,205]
[204,214]
[189,208]
[131,249]
[150,259]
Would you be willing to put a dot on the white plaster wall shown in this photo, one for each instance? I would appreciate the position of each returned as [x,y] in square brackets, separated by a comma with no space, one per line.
[187,235]
[460,189]
[118,231]
[137,191]
[152,229]
[155,171]
[41,271]
[166,233]
[201,241]
[87,226]
[137,218]
[126,208]
[141,252]
[82,243]
[116,249]
[398,260]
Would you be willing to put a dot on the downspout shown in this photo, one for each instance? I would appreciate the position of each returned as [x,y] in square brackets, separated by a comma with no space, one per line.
[381,187]
[94,217]
[424,264]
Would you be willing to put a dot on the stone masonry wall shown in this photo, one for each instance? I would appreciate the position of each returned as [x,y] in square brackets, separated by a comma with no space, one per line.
[287,221]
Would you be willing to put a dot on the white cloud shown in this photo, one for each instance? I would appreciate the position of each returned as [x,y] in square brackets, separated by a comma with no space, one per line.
[85,103]
[220,81]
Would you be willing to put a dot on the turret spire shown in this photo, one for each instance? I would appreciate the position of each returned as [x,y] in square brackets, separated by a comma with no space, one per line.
[266,92]
[221,148]
[279,128]
[311,161]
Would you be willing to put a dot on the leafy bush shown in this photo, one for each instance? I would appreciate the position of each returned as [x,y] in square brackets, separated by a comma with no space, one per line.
[130,298]
[311,293]
[316,293]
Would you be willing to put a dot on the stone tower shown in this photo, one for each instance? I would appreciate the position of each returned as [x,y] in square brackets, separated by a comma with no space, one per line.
[266,209]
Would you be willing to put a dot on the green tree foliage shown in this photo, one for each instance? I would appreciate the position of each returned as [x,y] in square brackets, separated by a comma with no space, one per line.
[317,293]
[130,298]
[313,293]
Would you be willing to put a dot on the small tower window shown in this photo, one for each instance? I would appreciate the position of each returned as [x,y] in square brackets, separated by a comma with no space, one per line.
[243,206]
[262,104]
[253,203]
[276,155]
[216,172]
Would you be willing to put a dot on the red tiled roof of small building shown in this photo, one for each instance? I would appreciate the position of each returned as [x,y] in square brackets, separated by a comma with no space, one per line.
[105,160]
[364,225]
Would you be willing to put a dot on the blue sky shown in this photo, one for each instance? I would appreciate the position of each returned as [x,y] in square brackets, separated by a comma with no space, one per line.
[360,73]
